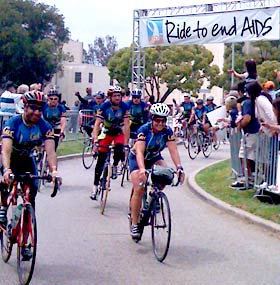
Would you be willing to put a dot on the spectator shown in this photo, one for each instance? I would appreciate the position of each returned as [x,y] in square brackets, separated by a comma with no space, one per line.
[9,99]
[276,110]
[250,126]
[269,87]
[86,101]
[36,86]
[74,114]
[250,74]
[22,89]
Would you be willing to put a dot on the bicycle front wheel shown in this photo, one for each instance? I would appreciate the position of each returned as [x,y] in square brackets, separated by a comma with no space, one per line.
[105,187]
[206,146]
[125,172]
[193,146]
[42,170]
[161,226]
[27,246]
[87,156]
[6,243]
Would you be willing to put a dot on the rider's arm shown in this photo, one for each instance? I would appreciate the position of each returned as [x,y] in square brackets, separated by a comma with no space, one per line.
[51,155]
[139,151]
[7,145]
[96,129]
[62,124]
[126,130]
[172,147]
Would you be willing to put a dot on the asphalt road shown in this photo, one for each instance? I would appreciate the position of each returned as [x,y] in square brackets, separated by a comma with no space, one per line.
[77,245]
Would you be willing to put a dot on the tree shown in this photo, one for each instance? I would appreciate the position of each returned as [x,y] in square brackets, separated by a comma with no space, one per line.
[181,67]
[100,52]
[31,37]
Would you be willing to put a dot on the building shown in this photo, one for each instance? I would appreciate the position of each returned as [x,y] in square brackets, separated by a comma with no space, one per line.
[77,76]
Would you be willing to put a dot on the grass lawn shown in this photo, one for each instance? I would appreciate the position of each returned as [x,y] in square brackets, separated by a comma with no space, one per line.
[70,147]
[216,180]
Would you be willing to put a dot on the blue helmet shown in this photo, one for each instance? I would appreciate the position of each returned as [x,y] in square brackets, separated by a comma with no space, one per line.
[136,92]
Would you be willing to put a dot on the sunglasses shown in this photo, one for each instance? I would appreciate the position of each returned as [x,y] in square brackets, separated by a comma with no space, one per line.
[136,97]
[35,107]
[160,120]
[53,98]
[98,98]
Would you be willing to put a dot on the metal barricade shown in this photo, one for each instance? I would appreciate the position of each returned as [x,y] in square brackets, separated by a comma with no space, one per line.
[266,160]
[85,116]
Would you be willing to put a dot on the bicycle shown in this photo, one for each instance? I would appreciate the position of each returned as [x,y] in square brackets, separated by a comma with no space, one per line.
[155,210]
[21,228]
[125,168]
[88,156]
[105,180]
[42,165]
[198,142]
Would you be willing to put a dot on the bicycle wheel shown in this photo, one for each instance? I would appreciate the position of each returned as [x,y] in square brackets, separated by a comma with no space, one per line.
[105,187]
[193,146]
[87,156]
[125,172]
[186,139]
[206,146]
[6,243]
[161,226]
[42,170]
[216,145]
[27,238]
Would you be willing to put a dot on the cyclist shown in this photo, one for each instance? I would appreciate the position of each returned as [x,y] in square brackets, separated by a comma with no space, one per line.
[114,115]
[210,105]
[200,116]
[139,113]
[19,137]
[55,114]
[151,140]
[188,109]
[95,106]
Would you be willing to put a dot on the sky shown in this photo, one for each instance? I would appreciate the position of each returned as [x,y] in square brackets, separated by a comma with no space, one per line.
[88,19]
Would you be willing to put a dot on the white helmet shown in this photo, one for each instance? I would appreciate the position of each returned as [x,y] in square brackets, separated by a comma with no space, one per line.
[160,109]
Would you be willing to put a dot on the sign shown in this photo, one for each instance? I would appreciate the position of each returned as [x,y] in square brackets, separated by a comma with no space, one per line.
[223,27]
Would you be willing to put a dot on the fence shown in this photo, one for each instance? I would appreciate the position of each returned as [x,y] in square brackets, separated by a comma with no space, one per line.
[266,162]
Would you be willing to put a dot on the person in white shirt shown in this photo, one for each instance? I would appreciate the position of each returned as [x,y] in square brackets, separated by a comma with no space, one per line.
[9,99]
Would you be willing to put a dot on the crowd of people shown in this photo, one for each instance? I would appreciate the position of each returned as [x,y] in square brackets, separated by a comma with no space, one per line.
[130,122]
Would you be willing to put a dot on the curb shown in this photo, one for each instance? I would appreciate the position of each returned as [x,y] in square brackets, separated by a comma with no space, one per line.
[266,224]
[69,156]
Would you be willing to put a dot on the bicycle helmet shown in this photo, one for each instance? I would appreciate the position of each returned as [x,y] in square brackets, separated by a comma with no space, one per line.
[187,95]
[101,94]
[136,92]
[162,175]
[114,89]
[160,109]
[52,92]
[34,97]
[210,98]
[199,102]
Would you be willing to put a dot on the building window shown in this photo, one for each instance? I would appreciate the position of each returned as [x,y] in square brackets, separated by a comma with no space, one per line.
[90,77]
[78,77]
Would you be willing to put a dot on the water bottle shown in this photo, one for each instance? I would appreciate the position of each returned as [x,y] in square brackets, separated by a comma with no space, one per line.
[16,215]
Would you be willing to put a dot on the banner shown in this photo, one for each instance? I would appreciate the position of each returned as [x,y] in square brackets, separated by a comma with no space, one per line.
[222,27]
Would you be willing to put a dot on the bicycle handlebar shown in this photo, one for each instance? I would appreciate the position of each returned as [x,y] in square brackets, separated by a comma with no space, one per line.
[27,175]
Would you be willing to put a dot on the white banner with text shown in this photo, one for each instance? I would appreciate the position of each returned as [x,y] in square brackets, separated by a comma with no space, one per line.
[223,27]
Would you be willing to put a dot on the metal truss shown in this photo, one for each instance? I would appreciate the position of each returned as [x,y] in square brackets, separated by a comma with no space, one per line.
[138,55]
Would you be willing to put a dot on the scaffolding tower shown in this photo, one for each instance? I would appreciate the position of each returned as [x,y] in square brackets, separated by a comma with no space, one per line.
[138,53]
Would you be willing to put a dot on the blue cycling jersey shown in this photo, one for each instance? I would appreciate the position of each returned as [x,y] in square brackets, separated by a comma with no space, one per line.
[24,137]
[53,115]
[200,112]
[155,142]
[138,113]
[187,108]
[113,117]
